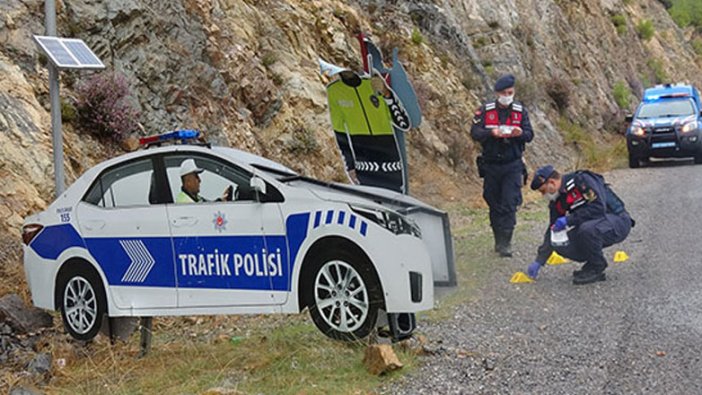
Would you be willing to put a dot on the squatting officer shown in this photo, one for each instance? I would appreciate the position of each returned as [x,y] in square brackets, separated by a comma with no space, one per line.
[591,213]
[502,127]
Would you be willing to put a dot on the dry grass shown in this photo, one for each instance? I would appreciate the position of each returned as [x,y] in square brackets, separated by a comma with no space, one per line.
[284,355]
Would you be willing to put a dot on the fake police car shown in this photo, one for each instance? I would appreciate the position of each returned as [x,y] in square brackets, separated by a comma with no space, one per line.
[667,123]
[115,244]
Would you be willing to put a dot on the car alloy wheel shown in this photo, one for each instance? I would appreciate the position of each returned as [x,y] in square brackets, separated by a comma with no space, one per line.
[341,296]
[80,305]
[81,297]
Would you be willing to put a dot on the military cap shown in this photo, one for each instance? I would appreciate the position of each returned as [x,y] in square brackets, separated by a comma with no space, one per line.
[541,176]
[504,82]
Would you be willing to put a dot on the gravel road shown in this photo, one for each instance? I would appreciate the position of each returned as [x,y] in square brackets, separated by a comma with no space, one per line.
[639,332]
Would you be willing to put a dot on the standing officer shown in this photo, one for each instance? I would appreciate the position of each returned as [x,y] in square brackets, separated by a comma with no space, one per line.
[591,213]
[502,128]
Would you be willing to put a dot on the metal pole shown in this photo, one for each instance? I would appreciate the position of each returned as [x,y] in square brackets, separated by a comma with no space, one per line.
[59,179]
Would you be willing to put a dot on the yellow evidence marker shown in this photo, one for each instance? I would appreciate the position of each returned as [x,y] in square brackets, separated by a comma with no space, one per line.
[556,259]
[520,278]
[620,256]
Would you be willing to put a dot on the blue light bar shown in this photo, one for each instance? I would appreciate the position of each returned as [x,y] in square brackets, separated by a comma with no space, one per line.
[176,135]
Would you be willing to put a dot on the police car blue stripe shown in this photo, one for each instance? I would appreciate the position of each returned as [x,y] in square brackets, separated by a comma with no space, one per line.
[342,217]
[364,228]
[115,261]
[53,240]
[330,217]
[317,218]
[352,221]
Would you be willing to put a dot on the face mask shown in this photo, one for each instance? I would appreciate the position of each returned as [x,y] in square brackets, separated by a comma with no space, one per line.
[551,197]
[506,100]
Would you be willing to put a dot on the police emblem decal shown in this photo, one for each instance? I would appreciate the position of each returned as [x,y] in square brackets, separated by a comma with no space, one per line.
[219,221]
[375,101]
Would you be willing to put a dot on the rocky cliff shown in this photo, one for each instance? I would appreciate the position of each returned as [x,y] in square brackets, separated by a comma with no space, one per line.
[245,72]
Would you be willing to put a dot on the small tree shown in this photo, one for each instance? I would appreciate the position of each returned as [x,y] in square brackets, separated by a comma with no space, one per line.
[104,106]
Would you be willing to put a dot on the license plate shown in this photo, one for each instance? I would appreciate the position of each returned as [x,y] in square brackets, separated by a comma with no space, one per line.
[666,144]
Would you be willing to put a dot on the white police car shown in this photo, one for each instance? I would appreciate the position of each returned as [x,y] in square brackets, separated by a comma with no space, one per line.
[115,244]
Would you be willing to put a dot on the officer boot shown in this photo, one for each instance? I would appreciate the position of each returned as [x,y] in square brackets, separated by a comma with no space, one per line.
[505,247]
[497,236]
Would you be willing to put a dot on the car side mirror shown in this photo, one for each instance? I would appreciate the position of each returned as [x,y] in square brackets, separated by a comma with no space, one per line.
[628,118]
[257,184]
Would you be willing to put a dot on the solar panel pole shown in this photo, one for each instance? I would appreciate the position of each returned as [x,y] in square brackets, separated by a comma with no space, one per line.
[59,179]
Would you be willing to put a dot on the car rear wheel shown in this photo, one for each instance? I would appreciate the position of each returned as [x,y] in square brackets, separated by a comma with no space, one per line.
[83,303]
[698,159]
[343,296]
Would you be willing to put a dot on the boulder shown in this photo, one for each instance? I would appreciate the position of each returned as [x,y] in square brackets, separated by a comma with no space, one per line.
[22,318]
[380,359]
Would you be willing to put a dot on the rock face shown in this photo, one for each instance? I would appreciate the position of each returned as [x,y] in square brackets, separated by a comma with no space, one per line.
[245,72]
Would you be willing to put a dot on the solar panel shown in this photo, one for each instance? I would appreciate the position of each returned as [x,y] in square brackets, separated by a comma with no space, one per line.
[69,53]
[81,51]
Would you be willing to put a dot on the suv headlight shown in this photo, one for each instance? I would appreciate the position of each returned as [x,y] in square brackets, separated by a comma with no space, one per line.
[390,220]
[689,127]
[638,131]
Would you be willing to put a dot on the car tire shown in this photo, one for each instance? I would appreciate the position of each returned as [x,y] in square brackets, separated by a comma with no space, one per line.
[82,301]
[634,162]
[698,159]
[343,294]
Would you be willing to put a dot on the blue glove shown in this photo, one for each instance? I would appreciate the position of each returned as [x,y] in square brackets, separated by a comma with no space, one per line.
[560,224]
[533,269]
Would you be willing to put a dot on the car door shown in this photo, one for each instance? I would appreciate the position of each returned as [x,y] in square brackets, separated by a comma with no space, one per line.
[219,246]
[126,230]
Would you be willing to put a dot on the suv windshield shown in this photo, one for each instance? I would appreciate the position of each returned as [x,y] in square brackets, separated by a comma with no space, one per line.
[665,109]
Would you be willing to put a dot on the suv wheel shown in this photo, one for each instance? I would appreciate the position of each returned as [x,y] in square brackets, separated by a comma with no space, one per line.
[634,162]
[698,159]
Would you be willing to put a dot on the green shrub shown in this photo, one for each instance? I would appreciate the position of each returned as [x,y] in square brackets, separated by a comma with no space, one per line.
[268,59]
[687,13]
[622,95]
[68,111]
[417,37]
[697,46]
[645,29]
[619,21]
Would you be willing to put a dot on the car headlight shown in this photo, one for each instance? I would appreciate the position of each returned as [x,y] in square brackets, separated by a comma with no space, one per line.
[390,220]
[638,131]
[689,127]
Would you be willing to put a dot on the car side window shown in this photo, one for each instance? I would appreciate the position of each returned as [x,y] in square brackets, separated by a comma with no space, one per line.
[214,179]
[123,186]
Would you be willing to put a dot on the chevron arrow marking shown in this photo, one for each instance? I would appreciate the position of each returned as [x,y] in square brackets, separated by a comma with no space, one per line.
[141,261]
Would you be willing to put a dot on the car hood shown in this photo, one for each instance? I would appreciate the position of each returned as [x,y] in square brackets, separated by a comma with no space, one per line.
[361,195]
[663,122]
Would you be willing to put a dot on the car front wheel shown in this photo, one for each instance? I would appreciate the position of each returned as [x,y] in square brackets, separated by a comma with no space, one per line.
[344,296]
[83,302]
[634,162]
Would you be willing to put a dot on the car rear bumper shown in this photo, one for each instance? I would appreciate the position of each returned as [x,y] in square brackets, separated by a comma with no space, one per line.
[40,275]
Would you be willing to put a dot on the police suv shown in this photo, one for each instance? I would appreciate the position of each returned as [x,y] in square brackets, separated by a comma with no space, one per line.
[666,124]
[115,244]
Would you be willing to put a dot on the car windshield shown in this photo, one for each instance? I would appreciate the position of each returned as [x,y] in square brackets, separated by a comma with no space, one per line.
[666,109]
